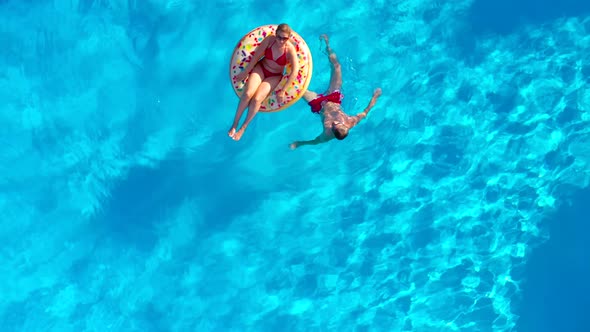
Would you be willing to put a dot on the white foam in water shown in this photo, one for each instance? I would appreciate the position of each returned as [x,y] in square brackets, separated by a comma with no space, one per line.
[125,206]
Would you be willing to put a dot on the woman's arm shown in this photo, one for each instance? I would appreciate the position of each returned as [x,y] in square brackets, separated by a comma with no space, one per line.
[292,58]
[258,52]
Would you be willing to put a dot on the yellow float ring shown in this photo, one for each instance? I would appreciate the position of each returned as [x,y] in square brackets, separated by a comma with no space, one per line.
[243,53]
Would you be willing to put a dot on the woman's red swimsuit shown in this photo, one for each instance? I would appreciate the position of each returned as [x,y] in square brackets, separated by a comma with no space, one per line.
[281,61]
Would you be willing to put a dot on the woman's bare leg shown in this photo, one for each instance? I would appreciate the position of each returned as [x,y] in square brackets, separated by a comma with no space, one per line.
[254,81]
[263,91]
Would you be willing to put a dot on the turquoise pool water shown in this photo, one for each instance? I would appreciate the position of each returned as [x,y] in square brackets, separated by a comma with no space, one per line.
[124,206]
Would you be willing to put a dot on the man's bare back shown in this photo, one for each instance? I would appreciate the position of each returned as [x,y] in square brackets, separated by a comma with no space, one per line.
[331,113]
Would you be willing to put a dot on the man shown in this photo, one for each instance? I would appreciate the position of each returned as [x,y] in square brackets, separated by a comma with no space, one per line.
[337,124]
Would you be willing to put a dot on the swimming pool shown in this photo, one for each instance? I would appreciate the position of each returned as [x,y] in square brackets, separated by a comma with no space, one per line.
[125,206]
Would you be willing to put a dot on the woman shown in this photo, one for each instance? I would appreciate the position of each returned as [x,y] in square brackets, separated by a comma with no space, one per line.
[264,75]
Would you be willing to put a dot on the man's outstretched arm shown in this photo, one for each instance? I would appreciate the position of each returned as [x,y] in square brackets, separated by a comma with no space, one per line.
[364,113]
[320,139]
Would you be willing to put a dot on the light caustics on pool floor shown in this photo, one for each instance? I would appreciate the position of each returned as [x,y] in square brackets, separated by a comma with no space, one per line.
[421,227]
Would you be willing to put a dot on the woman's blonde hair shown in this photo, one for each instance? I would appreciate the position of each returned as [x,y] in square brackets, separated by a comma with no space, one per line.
[284,27]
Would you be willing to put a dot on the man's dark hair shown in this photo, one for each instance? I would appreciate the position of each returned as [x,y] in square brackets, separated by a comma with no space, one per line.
[340,132]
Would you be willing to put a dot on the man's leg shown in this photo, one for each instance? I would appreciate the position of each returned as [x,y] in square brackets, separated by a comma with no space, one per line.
[309,96]
[336,73]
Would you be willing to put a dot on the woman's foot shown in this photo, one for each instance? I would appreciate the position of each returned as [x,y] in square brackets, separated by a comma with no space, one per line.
[232,132]
[239,134]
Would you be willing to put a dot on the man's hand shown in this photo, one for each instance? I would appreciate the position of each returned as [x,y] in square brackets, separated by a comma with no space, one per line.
[293,145]
[377,93]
